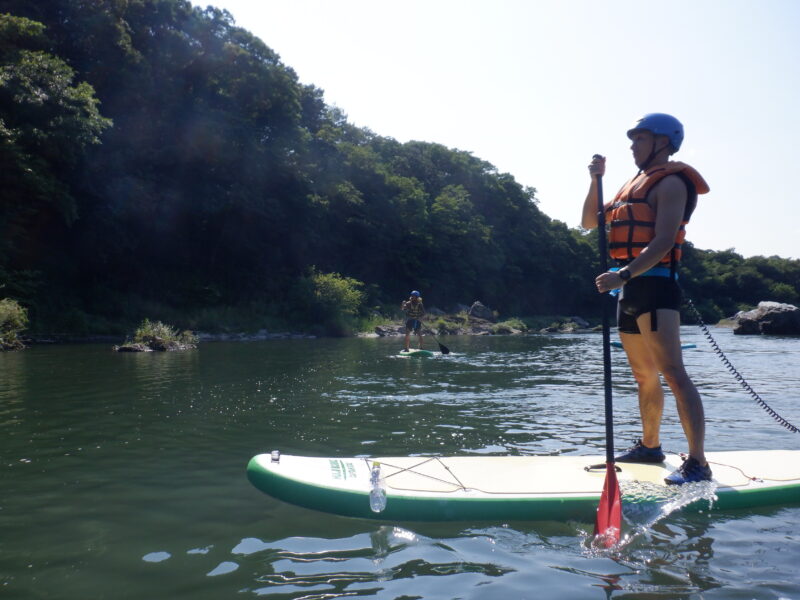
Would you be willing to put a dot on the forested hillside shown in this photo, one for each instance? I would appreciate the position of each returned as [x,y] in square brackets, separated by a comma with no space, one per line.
[159,161]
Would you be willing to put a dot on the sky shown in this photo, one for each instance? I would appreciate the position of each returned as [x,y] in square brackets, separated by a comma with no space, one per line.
[536,87]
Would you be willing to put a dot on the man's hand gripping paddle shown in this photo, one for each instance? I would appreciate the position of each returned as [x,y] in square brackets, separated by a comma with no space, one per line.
[608,524]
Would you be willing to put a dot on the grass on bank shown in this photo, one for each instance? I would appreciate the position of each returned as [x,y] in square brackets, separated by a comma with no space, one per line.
[452,324]
[509,326]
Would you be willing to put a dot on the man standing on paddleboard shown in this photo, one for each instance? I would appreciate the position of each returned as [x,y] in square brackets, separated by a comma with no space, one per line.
[414,310]
[647,226]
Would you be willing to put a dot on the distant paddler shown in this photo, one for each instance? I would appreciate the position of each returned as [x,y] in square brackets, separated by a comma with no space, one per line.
[415,312]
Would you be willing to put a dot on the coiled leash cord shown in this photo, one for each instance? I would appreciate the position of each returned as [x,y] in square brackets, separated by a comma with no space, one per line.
[728,365]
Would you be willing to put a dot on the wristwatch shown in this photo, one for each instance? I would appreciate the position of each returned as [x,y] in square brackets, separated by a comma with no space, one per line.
[624,274]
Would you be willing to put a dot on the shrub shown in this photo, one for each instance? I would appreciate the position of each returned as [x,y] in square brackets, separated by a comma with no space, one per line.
[13,320]
[154,330]
[330,301]
[337,294]
[155,335]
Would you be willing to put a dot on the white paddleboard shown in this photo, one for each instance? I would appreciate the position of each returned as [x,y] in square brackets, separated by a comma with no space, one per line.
[424,488]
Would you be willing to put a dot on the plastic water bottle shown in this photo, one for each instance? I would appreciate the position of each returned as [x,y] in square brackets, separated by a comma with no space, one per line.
[377,489]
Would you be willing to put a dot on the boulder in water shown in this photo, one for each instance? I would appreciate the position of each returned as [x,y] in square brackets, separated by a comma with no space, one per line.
[769,318]
[480,311]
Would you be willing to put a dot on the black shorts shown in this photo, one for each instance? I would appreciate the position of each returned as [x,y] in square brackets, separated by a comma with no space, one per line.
[645,294]
[413,325]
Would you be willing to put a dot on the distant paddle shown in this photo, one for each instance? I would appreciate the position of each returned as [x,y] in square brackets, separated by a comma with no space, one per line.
[608,524]
[442,348]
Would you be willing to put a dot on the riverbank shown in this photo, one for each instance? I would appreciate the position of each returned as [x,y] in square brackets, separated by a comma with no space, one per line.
[440,325]
[64,338]
[460,325]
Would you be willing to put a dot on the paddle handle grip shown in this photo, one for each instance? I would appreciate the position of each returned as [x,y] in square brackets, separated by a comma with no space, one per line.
[601,220]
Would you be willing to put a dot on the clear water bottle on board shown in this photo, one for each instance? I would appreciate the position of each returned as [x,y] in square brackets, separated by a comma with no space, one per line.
[377,489]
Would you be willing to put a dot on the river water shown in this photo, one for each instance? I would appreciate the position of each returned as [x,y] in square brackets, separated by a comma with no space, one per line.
[123,475]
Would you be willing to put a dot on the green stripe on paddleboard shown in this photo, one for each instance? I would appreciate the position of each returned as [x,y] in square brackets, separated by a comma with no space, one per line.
[771,496]
[409,508]
[416,353]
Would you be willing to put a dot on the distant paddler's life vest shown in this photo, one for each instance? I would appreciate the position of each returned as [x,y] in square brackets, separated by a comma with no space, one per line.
[632,219]
[414,310]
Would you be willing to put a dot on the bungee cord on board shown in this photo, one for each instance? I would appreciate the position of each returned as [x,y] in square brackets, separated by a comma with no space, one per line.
[738,376]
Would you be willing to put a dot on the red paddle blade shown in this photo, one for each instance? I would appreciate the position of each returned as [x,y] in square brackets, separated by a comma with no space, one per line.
[608,525]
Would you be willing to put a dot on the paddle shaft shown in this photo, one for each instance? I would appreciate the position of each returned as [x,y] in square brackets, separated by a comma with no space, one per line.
[601,243]
[608,524]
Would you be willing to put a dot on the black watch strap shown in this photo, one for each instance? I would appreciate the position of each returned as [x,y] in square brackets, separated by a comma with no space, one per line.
[624,274]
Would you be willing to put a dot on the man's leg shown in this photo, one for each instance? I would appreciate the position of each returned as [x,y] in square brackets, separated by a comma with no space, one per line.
[408,339]
[651,394]
[665,349]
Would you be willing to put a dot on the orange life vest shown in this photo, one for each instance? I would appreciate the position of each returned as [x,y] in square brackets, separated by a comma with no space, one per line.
[633,221]
[413,310]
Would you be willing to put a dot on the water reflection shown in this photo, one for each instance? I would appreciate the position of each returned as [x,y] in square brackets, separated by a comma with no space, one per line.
[388,560]
[12,384]
[670,555]
[393,562]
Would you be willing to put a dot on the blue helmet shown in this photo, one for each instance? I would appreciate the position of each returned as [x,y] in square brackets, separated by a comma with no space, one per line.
[661,124]
[415,293]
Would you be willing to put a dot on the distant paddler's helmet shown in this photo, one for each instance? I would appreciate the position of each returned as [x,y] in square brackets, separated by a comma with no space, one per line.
[660,124]
[415,293]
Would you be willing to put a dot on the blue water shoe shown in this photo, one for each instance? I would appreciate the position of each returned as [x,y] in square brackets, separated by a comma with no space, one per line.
[689,472]
[639,453]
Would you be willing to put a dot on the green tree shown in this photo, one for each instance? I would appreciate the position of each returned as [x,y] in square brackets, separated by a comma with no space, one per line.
[224,179]
[783,292]
[46,123]
[329,300]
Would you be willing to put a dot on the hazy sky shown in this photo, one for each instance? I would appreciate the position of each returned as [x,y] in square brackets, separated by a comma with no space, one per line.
[536,87]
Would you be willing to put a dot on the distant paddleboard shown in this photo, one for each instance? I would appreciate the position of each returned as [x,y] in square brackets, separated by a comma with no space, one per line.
[416,353]
[683,346]
[500,488]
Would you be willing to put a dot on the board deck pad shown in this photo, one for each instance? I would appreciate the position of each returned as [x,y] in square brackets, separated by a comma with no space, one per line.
[434,488]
